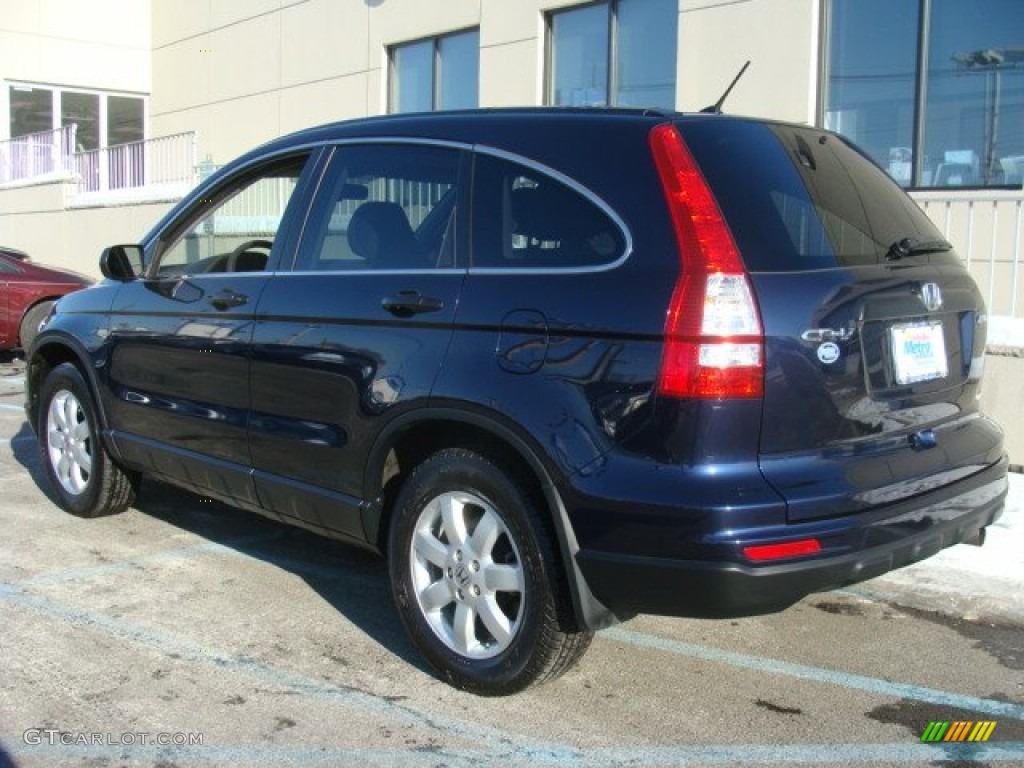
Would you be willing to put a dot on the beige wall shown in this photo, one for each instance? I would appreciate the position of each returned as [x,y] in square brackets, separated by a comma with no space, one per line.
[90,44]
[1002,398]
[245,71]
[778,37]
[37,220]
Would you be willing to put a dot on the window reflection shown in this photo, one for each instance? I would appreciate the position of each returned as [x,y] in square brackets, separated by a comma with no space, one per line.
[125,121]
[960,121]
[621,53]
[579,58]
[439,73]
[872,63]
[460,70]
[974,112]
[413,79]
[31,110]
[646,53]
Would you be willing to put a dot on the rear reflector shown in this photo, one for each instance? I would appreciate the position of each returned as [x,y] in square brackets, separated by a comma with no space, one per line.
[714,345]
[762,552]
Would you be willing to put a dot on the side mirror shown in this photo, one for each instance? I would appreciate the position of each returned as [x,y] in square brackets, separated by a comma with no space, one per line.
[122,262]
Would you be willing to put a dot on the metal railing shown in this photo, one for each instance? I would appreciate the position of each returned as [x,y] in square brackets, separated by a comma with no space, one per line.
[37,155]
[168,161]
[987,229]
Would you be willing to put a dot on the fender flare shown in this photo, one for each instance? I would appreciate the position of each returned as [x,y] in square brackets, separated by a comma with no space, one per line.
[590,612]
[87,364]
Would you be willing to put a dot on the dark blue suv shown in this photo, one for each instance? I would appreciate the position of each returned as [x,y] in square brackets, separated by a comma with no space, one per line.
[559,366]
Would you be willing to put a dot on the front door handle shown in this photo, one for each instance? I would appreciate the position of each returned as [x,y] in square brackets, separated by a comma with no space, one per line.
[409,303]
[227,299]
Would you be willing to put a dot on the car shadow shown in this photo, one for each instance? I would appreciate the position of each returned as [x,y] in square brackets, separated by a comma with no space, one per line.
[351,580]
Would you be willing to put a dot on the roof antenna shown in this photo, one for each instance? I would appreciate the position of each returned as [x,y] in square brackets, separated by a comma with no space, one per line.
[716,108]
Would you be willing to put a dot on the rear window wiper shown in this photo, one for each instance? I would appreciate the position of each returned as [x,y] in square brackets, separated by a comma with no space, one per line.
[911,246]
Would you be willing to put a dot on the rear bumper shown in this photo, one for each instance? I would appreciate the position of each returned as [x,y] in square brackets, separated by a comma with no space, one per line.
[854,549]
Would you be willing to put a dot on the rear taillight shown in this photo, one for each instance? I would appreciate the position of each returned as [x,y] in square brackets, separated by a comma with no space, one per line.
[714,345]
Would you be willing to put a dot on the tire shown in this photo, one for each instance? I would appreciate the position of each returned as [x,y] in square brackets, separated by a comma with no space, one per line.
[477,579]
[85,479]
[29,328]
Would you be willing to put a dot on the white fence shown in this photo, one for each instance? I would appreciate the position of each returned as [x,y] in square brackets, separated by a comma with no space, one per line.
[165,163]
[168,161]
[987,229]
[37,155]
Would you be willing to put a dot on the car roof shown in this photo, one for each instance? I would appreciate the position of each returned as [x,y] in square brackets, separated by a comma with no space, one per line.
[460,126]
[497,126]
[13,253]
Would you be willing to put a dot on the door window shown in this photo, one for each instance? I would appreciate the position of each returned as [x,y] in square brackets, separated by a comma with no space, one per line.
[234,230]
[387,207]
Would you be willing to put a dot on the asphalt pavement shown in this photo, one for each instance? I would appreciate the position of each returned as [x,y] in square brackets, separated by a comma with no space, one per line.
[186,633]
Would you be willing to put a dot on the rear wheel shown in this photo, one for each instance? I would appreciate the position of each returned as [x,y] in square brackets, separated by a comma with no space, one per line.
[477,579]
[30,323]
[86,480]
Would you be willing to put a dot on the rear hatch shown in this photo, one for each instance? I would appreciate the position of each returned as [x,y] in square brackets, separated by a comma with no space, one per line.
[874,332]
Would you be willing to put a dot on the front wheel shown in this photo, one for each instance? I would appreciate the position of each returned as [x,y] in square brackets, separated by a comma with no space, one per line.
[86,480]
[477,579]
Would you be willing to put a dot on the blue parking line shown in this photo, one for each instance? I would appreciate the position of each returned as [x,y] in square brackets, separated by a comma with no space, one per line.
[9,407]
[818,674]
[518,750]
[269,674]
[515,749]
[502,754]
[796,754]
[300,566]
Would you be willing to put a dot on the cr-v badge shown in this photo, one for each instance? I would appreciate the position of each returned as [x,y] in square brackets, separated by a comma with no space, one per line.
[828,351]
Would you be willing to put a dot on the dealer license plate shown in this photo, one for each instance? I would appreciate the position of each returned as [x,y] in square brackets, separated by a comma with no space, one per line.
[919,352]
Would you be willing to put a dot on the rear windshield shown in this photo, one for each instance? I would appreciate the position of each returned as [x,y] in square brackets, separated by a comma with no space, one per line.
[798,199]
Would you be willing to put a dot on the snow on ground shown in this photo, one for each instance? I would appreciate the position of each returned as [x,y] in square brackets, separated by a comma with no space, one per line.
[1005,331]
[971,582]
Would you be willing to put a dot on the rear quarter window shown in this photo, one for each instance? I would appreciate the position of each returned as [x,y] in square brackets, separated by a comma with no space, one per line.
[800,199]
[524,218]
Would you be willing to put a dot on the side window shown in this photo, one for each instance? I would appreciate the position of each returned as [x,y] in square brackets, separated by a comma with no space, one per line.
[234,231]
[385,207]
[523,218]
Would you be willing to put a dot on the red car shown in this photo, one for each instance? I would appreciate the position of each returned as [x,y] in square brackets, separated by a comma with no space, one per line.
[27,291]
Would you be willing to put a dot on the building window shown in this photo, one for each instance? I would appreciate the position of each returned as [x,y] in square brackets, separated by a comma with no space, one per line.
[933,90]
[621,52]
[125,120]
[31,110]
[102,119]
[83,110]
[437,73]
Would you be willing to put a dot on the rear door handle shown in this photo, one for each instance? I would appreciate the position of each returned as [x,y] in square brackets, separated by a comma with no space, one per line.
[227,299]
[409,303]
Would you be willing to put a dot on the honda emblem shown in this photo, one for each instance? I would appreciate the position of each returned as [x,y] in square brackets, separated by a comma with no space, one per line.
[931,295]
